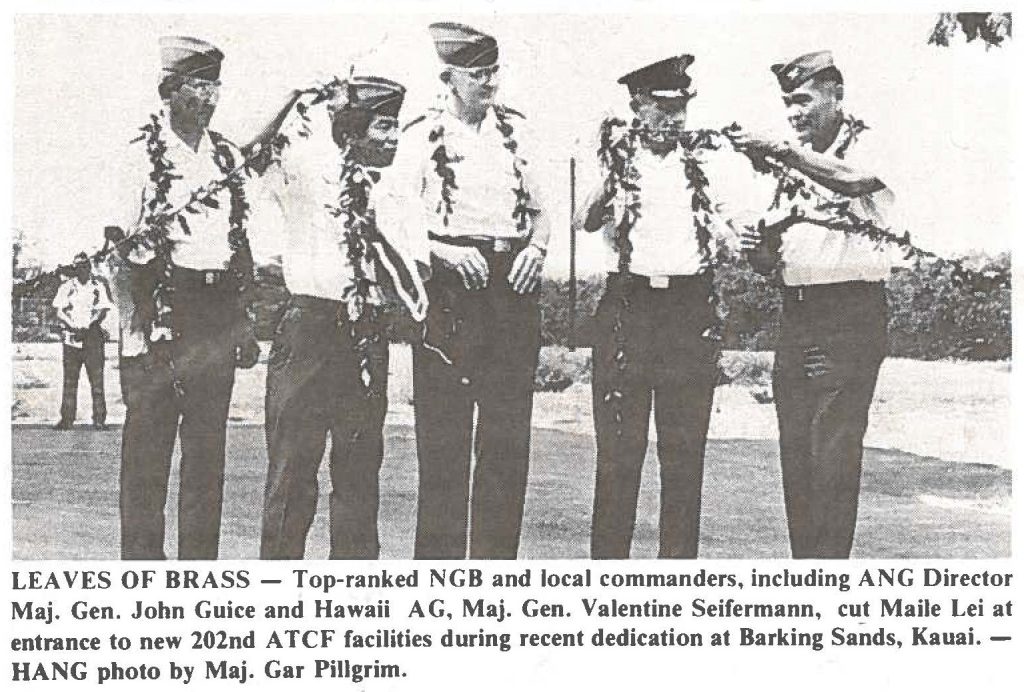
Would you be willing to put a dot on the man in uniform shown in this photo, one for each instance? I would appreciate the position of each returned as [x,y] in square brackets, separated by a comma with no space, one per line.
[487,240]
[317,382]
[655,327]
[833,336]
[82,303]
[186,302]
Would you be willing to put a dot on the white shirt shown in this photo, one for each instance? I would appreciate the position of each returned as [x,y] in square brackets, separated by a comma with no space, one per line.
[206,245]
[811,254]
[81,304]
[303,187]
[664,238]
[483,199]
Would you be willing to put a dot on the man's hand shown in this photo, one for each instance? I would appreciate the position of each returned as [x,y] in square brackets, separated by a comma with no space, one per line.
[113,234]
[247,349]
[752,238]
[525,274]
[816,362]
[758,144]
[466,261]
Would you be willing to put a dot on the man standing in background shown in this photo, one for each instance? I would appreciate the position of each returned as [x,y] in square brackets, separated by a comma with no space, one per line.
[834,312]
[82,303]
[462,167]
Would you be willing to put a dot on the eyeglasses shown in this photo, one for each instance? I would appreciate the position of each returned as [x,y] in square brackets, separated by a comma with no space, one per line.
[207,87]
[479,74]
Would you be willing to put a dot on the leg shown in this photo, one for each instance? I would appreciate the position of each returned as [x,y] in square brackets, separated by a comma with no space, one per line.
[682,413]
[510,345]
[444,427]
[837,444]
[73,360]
[147,444]
[357,452]
[500,475]
[94,366]
[794,406]
[296,430]
[622,412]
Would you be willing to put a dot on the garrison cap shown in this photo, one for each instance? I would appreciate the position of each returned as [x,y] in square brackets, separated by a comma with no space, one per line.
[463,46]
[363,96]
[81,258]
[668,74]
[376,94]
[796,72]
[190,57]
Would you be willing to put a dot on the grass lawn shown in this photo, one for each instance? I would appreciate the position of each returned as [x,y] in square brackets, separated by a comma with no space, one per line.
[65,494]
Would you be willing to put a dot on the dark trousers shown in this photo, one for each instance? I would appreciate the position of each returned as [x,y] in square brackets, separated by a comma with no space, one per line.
[823,417]
[314,387]
[669,360]
[202,360]
[493,337]
[92,357]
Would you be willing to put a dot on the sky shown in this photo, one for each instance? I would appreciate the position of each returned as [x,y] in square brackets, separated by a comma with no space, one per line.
[84,83]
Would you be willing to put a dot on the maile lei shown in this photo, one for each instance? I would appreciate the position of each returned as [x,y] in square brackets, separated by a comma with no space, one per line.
[355,182]
[616,153]
[159,215]
[838,216]
[443,159]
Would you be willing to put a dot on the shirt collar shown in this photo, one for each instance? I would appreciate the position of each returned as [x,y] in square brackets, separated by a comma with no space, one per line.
[177,144]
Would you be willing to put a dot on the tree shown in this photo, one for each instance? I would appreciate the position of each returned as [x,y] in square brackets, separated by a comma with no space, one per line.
[991,27]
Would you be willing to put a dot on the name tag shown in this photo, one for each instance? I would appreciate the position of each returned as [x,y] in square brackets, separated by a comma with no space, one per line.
[659,282]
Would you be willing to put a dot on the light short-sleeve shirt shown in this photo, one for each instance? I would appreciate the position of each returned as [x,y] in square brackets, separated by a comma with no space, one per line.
[663,238]
[812,254]
[304,187]
[482,197]
[205,245]
[81,304]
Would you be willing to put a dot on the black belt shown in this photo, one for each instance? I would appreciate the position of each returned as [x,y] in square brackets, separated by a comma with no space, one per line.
[495,245]
[846,290]
[678,281]
[200,278]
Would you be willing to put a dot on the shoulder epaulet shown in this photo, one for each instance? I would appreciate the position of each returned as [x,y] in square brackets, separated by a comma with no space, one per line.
[505,110]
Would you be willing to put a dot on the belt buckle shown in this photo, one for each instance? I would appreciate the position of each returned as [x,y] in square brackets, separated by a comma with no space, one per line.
[659,281]
[210,278]
[502,245]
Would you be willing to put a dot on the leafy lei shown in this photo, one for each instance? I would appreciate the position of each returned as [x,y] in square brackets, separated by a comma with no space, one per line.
[618,146]
[352,207]
[159,215]
[443,161]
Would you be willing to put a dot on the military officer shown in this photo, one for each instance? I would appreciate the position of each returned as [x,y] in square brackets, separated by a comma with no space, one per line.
[656,324]
[328,368]
[833,337]
[476,206]
[187,325]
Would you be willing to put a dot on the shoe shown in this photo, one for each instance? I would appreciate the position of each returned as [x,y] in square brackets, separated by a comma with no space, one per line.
[100,426]
[63,425]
